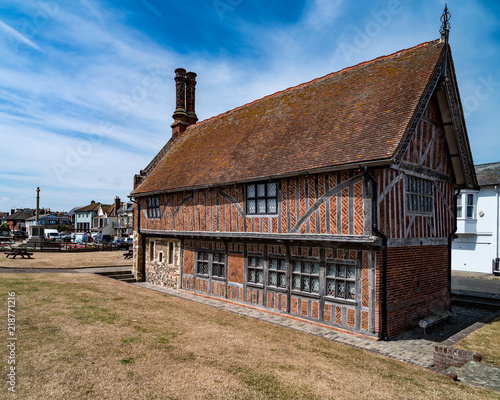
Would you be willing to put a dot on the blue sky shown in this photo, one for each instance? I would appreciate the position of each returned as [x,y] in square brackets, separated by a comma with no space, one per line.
[87,90]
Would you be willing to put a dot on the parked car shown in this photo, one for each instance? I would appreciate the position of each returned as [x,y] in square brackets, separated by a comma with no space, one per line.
[66,238]
[51,234]
[123,243]
[100,238]
[18,234]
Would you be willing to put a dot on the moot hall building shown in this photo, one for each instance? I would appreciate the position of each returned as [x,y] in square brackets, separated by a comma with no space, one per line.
[332,201]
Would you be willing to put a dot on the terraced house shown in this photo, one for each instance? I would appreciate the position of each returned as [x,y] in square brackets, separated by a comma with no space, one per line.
[332,201]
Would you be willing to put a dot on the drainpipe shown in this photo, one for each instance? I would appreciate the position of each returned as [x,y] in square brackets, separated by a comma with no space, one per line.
[451,237]
[383,305]
[498,221]
[143,239]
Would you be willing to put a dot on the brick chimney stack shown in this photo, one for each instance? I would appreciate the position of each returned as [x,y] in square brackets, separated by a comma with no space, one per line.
[180,116]
[118,203]
[184,114]
[190,98]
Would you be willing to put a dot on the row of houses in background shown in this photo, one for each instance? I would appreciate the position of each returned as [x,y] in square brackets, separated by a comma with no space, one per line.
[109,219]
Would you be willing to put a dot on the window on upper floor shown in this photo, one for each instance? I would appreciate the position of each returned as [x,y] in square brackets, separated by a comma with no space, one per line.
[419,195]
[467,201]
[153,207]
[262,198]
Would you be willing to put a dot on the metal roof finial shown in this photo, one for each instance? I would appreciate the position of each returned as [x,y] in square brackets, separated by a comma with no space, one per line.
[445,27]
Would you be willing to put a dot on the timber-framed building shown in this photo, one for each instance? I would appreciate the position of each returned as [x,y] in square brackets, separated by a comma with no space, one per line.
[332,201]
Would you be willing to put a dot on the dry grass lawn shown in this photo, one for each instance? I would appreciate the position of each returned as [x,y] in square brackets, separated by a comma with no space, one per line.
[67,260]
[484,341]
[83,336]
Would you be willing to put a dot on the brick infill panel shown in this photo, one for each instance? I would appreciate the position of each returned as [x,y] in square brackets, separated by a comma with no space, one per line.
[446,357]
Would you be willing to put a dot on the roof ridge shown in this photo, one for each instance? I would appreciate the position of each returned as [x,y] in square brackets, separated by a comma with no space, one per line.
[291,88]
[483,165]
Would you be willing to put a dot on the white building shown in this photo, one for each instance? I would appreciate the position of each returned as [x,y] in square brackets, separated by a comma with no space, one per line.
[477,248]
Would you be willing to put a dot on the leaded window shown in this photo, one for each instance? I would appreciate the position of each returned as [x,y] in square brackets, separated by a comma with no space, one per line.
[419,195]
[341,281]
[213,264]
[219,265]
[153,207]
[277,272]
[262,198]
[305,276]
[202,263]
[256,270]
[459,206]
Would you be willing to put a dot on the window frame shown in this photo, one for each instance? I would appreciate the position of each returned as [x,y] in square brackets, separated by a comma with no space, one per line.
[336,279]
[301,274]
[278,271]
[256,268]
[417,201]
[470,206]
[266,197]
[153,206]
[209,261]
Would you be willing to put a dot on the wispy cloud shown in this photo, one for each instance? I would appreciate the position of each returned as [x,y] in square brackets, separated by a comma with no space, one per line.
[18,36]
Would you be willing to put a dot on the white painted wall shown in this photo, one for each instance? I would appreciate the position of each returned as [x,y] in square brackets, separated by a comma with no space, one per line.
[477,243]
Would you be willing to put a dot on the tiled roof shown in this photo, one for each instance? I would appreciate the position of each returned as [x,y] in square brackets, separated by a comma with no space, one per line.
[359,114]
[488,174]
[19,216]
[90,207]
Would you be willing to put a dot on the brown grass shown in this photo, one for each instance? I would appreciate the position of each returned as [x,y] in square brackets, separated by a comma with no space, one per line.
[484,341]
[88,337]
[67,260]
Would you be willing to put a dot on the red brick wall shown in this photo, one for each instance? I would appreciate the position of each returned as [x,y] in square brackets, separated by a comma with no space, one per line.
[188,264]
[417,285]
[235,268]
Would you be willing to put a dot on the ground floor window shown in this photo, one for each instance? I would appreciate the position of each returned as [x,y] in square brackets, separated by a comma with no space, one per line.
[305,276]
[256,270]
[341,281]
[211,263]
[277,272]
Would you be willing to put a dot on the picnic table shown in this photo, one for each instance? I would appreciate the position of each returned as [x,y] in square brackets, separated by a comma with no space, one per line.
[128,254]
[18,251]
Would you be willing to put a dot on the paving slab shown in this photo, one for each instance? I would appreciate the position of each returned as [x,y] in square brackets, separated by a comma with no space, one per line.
[478,374]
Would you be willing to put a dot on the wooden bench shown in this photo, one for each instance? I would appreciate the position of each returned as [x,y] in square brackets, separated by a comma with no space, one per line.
[434,319]
[50,246]
[128,254]
[20,251]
